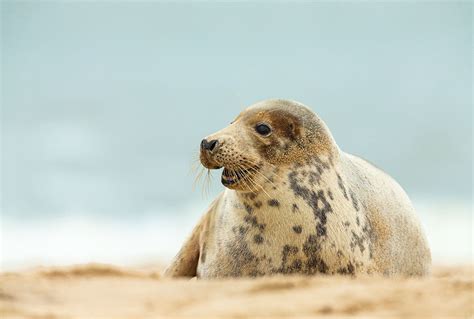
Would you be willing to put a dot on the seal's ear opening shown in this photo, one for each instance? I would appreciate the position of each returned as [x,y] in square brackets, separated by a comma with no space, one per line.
[291,131]
[293,128]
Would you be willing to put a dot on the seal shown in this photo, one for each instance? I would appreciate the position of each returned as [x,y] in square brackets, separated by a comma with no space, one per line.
[295,203]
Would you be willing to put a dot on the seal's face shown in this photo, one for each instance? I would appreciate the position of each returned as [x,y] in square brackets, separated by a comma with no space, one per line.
[261,138]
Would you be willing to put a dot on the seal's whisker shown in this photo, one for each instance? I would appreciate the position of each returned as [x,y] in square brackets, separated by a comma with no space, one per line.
[247,174]
[264,176]
[243,177]
[257,165]
[256,183]
[233,173]
[239,173]
[252,183]
[198,177]
[263,190]
[195,162]
[207,182]
[204,181]
[194,167]
[246,180]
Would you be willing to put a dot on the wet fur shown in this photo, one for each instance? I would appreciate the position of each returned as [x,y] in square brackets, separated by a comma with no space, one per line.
[322,210]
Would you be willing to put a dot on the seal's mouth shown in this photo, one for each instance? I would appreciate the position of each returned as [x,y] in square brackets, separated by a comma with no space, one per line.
[234,176]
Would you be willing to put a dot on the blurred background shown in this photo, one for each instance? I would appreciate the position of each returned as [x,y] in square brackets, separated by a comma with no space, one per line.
[104,105]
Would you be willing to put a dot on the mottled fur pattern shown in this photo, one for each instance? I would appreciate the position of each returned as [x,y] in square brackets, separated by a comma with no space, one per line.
[309,209]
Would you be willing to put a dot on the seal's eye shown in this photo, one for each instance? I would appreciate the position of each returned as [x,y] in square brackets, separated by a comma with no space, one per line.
[263,129]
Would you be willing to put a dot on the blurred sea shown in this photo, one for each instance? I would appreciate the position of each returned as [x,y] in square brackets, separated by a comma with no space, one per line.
[157,235]
[103,106]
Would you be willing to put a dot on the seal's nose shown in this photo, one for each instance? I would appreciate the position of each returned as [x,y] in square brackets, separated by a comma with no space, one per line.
[209,145]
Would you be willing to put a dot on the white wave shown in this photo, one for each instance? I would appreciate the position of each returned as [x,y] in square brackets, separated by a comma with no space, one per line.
[448,224]
[81,239]
[125,241]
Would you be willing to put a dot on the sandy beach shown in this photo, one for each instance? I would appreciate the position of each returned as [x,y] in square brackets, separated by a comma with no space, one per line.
[101,291]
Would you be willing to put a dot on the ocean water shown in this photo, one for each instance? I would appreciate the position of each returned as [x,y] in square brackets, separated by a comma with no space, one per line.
[157,235]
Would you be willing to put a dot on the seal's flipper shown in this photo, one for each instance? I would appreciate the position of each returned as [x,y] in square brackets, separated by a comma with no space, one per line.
[184,264]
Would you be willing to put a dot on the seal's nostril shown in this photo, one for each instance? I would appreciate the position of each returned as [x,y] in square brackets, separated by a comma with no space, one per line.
[212,144]
[209,146]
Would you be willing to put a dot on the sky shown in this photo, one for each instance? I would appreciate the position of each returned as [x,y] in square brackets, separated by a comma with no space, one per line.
[104,104]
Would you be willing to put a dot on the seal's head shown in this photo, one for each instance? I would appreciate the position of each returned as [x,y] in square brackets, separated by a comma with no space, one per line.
[266,135]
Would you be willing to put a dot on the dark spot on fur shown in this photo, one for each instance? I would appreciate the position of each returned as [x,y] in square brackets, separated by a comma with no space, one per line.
[357,221]
[357,241]
[314,178]
[314,262]
[297,164]
[330,194]
[341,186]
[294,208]
[243,230]
[274,203]
[258,204]
[316,200]
[258,239]
[317,168]
[240,253]
[297,229]
[248,208]
[252,220]
[354,200]
[368,236]
[288,250]
[320,229]
[348,270]
[320,163]
[297,265]
[250,196]
[203,253]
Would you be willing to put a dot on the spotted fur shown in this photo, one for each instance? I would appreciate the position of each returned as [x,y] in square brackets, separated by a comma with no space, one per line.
[316,210]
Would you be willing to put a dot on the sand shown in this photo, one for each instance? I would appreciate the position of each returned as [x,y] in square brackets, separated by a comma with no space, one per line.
[100,291]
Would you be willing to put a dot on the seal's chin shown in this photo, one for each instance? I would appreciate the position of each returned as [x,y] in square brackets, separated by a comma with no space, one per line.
[232,177]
